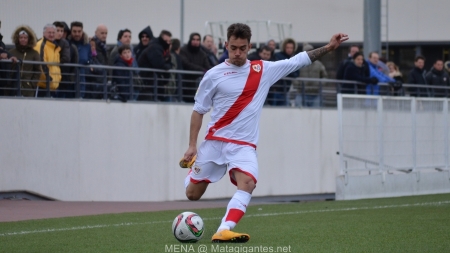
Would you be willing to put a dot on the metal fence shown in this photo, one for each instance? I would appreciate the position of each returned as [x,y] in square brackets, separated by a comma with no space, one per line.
[393,134]
[143,84]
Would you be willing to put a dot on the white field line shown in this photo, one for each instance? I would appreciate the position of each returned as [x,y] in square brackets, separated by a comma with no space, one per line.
[217,218]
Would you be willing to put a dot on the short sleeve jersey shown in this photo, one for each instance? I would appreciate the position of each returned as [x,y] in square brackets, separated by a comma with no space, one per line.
[237,95]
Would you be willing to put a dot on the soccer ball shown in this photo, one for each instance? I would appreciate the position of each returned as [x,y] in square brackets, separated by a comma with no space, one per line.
[188,227]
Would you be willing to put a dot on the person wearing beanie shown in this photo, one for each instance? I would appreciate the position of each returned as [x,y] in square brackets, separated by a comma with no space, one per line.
[196,60]
[24,40]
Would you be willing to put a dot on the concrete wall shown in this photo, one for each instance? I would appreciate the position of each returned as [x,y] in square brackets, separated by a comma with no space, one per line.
[98,151]
[313,20]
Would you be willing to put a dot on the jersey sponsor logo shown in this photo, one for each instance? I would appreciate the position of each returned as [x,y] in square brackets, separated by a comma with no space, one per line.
[256,67]
[229,73]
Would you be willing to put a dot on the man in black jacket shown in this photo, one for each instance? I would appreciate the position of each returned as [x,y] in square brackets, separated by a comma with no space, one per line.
[417,76]
[156,56]
[437,76]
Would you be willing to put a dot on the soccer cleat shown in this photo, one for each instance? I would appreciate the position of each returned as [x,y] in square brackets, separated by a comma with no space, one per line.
[229,236]
[186,165]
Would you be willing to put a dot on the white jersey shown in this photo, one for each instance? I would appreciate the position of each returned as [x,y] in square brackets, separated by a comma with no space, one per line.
[237,95]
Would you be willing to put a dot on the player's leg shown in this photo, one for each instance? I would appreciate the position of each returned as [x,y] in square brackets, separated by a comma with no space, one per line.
[194,191]
[245,180]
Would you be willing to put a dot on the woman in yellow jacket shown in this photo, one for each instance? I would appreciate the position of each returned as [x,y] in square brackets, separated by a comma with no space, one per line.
[49,52]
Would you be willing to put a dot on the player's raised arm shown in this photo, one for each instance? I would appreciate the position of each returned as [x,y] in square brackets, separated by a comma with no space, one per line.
[334,43]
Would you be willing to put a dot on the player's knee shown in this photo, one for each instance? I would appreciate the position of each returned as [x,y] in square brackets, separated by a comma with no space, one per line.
[247,185]
[192,196]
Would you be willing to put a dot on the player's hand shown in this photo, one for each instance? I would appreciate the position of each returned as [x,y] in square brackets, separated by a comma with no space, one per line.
[337,39]
[189,158]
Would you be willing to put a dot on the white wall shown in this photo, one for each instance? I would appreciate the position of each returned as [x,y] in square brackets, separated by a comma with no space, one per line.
[98,151]
[313,20]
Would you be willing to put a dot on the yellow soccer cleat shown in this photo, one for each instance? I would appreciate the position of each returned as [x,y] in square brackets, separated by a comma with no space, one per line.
[187,165]
[230,236]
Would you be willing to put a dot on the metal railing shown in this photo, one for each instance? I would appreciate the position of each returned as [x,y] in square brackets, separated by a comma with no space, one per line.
[143,84]
[379,135]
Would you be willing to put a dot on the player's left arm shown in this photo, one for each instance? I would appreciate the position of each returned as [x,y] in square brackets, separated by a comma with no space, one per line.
[334,43]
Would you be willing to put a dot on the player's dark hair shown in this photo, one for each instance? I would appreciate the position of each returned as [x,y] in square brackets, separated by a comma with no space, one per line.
[239,31]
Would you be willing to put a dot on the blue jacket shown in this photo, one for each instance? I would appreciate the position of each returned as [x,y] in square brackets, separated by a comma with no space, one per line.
[374,72]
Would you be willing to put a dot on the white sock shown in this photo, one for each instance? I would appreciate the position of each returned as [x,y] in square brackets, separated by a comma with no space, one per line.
[235,210]
[187,180]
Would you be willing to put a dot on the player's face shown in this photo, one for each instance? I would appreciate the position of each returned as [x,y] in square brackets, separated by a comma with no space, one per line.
[237,50]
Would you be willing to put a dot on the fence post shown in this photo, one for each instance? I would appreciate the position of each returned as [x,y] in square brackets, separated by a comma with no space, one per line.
[77,82]
[18,79]
[380,137]
[413,118]
[180,88]
[105,85]
[155,87]
[47,81]
[131,86]
[446,137]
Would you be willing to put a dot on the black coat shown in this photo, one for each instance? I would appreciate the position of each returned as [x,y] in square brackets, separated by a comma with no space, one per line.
[418,76]
[438,78]
[155,56]
[354,73]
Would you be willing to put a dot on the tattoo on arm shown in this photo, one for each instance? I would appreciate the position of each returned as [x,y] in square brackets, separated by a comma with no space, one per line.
[319,52]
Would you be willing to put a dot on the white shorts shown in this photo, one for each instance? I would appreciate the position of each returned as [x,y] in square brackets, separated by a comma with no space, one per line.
[215,158]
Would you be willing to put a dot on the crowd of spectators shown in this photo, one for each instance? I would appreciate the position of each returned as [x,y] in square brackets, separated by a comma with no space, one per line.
[64,45]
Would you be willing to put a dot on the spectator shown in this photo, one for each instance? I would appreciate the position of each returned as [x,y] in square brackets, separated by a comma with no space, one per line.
[278,90]
[176,63]
[312,88]
[193,59]
[4,66]
[80,39]
[99,56]
[377,72]
[49,52]
[208,47]
[224,56]
[145,37]
[273,45]
[356,71]
[122,78]
[418,76]
[437,76]
[66,85]
[25,39]
[123,38]
[156,56]
[263,53]
[395,74]
[341,69]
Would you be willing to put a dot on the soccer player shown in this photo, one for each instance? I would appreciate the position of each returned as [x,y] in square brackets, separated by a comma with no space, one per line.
[237,88]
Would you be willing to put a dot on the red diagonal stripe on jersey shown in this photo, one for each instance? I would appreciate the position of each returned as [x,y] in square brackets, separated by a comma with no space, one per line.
[250,88]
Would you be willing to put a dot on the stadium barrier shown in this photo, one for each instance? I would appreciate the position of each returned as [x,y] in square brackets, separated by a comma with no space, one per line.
[392,146]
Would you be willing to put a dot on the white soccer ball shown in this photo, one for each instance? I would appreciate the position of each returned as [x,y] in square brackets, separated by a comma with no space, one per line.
[188,227]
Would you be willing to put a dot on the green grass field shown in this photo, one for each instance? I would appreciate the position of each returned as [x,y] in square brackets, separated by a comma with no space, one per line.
[407,224]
